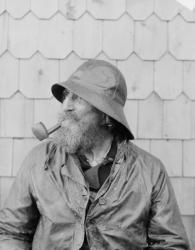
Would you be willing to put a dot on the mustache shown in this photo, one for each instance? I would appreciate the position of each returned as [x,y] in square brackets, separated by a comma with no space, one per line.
[62,116]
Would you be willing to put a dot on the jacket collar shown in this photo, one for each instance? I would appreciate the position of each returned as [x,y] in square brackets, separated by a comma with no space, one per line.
[58,160]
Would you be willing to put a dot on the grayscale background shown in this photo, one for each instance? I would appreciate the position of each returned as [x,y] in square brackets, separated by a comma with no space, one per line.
[151,41]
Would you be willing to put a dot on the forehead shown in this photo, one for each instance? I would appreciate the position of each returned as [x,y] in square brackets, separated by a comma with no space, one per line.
[67,92]
[79,101]
[75,97]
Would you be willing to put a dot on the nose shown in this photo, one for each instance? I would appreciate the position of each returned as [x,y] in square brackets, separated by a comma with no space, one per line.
[68,103]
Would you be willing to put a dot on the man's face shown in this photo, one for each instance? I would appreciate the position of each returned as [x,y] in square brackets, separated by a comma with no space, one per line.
[80,124]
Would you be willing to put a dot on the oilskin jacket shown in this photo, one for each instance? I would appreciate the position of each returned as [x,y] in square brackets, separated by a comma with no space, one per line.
[135,209]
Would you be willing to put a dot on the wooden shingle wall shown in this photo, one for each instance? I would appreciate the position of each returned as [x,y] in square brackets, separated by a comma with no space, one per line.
[151,41]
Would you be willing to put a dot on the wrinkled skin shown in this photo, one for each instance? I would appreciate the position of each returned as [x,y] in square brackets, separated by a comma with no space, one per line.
[81,125]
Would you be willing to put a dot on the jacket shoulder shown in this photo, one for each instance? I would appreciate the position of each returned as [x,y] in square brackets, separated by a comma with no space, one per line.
[139,153]
[38,154]
[147,162]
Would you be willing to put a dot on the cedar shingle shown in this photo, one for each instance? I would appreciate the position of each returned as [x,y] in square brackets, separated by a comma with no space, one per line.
[69,65]
[3,32]
[16,116]
[23,36]
[187,14]
[6,156]
[144,144]
[2,6]
[118,37]
[140,9]
[150,117]
[189,76]
[106,9]
[103,56]
[189,158]
[182,39]
[50,117]
[44,8]
[55,37]
[170,153]
[130,110]
[17,8]
[177,118]
[151,38]
[192,119]
[9,75]
[37,75]
[20,149]
[168,77]
[166,9]
[87,44]
[72,9]
[138,75]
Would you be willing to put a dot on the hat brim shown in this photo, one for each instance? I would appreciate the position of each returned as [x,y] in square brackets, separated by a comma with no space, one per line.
[99,101]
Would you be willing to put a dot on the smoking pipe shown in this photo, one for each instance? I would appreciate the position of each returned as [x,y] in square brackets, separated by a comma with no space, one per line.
[41,132]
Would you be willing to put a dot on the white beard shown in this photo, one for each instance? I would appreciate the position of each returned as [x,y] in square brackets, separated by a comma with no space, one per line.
[78,135]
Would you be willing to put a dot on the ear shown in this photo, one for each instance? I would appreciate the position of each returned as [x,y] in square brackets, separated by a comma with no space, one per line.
[106,121]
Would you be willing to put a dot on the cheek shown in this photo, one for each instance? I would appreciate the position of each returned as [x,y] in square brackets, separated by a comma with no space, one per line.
[92,119]
[67,123]
[83,110]
[86,111]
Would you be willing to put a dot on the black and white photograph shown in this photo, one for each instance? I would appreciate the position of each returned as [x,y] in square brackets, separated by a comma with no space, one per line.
[97,124]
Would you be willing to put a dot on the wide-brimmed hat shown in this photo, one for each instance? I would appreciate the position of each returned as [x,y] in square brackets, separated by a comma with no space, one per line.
[102,85]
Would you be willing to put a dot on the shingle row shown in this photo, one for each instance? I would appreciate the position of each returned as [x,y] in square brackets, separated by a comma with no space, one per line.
[37,75]
[58,36]
[104,9]
[151,118]
[33,77]
[43,9]
[18,114]
[171,119]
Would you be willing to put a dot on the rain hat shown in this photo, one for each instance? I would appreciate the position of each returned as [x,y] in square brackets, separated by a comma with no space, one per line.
[102,85]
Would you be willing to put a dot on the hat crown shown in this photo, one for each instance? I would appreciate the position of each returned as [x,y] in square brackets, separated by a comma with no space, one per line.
[103,78]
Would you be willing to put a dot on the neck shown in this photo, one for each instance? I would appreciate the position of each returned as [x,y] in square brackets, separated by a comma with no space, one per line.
[100,149]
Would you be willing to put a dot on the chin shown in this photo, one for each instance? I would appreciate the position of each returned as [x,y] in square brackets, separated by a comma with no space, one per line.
[78,136]
[69,138]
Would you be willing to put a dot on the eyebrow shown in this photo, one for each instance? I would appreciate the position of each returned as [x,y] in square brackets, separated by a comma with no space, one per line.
[65,93]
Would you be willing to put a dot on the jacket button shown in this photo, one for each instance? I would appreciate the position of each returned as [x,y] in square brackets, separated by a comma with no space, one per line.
[76,215]
[102,201]
[80,210]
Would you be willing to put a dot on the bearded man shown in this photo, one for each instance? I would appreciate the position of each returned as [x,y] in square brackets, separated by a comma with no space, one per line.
[89,186]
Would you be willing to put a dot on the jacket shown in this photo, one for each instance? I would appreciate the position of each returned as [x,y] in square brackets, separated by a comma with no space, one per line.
[135,209]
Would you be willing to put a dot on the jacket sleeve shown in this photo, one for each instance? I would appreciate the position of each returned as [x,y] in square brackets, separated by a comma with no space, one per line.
[165,227]
[19,217]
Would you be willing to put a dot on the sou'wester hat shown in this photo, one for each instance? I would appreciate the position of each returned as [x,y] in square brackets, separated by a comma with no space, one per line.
[102,85]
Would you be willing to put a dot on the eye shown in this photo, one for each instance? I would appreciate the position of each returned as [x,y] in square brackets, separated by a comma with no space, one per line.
[76,97]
